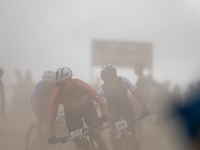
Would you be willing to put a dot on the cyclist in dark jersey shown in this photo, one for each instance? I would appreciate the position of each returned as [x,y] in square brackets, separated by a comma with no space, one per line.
[40,102]
[114,90]
[76,96]
[2,94]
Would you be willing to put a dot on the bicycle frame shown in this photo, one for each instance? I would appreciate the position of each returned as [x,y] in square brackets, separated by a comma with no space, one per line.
[80,134]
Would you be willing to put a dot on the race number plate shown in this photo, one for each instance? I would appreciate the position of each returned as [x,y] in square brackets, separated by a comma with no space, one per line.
[121,125]
[76,134]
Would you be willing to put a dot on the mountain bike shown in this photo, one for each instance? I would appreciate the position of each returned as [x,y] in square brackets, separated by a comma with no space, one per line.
[31,137]
[123,134]
[83,134]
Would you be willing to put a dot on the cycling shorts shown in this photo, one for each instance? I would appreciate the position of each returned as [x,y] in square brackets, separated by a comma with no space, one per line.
[74,119]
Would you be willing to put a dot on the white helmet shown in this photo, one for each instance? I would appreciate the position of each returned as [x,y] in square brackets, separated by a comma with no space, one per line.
[48,75]
[108,71]
[62,74]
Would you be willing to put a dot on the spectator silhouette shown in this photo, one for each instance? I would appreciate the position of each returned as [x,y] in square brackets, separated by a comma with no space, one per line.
[22,91]
[2,94]
[17,92]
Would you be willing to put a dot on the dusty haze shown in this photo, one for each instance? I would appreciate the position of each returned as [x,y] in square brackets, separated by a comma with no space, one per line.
[40,35]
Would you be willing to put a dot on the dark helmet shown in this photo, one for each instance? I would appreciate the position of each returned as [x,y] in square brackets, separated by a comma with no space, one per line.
[108,72]
[1,71]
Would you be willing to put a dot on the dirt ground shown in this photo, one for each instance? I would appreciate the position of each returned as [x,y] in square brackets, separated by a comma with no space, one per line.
[13,127]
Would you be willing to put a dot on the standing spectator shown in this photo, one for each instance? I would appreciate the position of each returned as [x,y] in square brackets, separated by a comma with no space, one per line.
[141,84]
[2,94]
[17,94]
[27,86]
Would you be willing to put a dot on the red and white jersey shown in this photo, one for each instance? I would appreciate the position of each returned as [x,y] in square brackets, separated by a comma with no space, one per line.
[81,93]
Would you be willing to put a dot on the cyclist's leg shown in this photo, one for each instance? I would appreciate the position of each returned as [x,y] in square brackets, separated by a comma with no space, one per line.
[73,122]
[89,116]
[97,136]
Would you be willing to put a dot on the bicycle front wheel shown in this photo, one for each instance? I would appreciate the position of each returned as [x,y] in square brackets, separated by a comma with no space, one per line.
[127,144]
[31,140]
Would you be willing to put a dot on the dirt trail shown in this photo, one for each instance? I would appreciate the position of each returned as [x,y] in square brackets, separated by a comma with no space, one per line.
[13,127]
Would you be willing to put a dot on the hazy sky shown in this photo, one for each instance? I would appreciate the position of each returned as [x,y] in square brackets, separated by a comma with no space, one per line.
[45,34]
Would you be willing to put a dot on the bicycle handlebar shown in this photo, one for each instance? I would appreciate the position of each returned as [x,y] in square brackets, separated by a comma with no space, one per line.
[64,139]
[113,124]
[85,131]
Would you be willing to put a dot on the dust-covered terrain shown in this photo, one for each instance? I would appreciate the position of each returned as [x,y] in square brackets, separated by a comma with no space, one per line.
[13,127]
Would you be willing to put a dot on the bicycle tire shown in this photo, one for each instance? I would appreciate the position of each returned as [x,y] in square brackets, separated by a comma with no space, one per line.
[131,143]
[126,143]
[28,144]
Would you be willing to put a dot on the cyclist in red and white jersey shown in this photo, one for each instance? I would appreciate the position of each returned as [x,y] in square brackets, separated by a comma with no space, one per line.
[114,90]
[77,97]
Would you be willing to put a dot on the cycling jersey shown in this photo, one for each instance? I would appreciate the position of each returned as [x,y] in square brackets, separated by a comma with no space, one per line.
[125,83]
[74,101]
[118,102]
[74,119]
[42,94]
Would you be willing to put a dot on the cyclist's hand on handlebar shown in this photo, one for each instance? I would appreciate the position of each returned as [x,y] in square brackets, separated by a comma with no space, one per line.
[53,140]
[144,114]
[62,140]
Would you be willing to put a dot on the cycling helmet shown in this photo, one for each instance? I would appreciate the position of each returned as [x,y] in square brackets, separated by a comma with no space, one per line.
[62,74]
[48,75]
[1,72]
[108,72]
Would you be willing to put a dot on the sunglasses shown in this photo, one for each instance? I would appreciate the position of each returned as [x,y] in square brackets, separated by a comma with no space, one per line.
[64,83]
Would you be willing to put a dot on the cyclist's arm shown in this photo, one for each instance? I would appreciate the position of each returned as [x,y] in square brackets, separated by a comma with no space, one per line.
[134,90]
[102,94]
[51,125]
[97,98]
[141,99]
[35,104]
[35,99]
[103,105]
[96,104]
[52,120]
